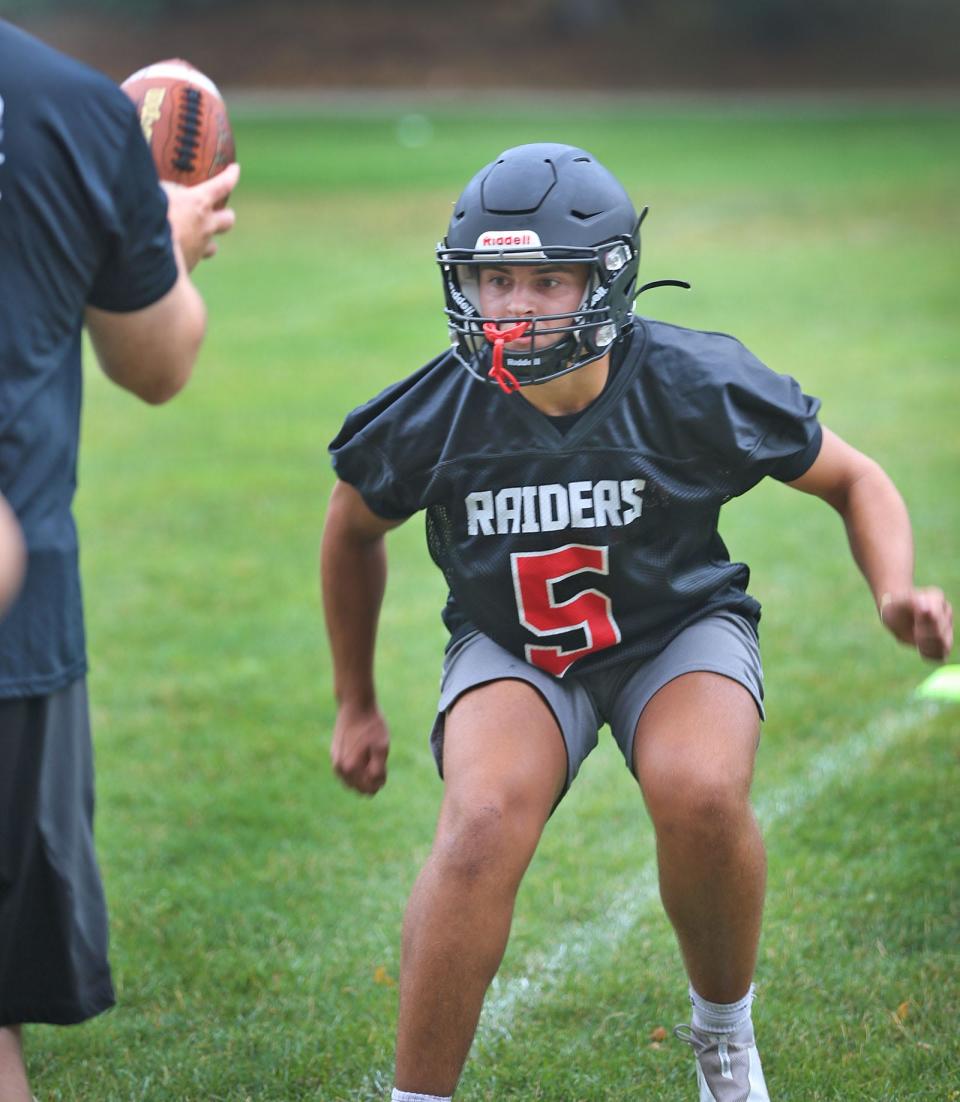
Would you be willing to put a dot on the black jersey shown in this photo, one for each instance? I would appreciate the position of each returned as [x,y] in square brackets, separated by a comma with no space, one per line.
[576,550]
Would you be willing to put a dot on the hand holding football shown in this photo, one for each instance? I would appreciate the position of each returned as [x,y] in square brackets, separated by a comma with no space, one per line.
[184,121]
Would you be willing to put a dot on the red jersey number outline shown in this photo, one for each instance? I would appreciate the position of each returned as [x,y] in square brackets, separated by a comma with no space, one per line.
[535,573]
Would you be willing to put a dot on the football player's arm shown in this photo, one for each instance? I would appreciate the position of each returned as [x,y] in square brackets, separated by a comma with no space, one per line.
[353,568]
[881,540]
[151,352]
[12,554]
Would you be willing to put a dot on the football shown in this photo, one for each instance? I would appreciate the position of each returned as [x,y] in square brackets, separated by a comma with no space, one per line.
[184,120]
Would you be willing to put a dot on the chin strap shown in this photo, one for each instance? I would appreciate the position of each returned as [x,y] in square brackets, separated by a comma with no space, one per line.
[504,378]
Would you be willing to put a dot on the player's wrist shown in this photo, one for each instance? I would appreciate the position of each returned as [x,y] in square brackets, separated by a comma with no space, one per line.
[883,603]
[891,597]
[357,701]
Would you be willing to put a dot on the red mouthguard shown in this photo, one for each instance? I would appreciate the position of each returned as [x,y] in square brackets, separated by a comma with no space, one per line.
[505,379]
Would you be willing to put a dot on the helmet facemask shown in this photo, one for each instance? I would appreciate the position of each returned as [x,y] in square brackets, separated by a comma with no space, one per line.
[583,335]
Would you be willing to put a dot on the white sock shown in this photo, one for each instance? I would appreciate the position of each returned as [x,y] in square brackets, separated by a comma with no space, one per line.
[720,1017]
[408,1096]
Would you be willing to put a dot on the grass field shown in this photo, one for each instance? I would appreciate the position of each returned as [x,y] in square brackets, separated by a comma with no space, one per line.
[256,905]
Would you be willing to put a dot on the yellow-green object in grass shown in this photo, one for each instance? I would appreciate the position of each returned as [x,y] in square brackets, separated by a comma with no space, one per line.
[942,684]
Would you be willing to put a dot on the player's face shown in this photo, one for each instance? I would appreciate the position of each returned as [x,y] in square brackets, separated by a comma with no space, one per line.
[526,291]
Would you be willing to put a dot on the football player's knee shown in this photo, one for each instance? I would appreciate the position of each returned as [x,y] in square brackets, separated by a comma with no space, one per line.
[700,807]
[483,840]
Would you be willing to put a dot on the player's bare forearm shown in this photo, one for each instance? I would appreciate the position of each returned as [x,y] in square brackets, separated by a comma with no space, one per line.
[881,541]
[353,575]
[879,531]
[354,579]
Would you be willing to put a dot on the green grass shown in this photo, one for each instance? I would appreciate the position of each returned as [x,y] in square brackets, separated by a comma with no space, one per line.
[256,904]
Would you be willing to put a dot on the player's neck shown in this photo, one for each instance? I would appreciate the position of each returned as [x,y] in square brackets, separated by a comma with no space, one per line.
[572,392]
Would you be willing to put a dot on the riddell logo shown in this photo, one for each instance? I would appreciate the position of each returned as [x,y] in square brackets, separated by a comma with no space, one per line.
[500,239]
[464,305]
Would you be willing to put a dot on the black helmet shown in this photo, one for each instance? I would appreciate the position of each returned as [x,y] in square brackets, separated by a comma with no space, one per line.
[537,203]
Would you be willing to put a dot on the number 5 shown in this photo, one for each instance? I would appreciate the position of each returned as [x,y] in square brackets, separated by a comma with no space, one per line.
[535,574]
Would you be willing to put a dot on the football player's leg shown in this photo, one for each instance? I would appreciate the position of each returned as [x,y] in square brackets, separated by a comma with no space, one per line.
[693,756]
[504,767]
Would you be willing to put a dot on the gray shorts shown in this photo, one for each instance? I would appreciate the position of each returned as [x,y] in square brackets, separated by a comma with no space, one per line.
[723,643]
[53,918]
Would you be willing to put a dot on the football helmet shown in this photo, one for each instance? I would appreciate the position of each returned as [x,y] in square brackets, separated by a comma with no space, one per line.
[535,204]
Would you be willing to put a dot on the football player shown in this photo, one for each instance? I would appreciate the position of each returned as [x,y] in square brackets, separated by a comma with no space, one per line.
[572,459]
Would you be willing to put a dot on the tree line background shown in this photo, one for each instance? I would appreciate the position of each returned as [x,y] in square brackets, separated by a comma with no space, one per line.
[548,44]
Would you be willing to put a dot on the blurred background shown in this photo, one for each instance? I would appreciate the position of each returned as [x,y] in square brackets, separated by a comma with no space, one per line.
[435,46]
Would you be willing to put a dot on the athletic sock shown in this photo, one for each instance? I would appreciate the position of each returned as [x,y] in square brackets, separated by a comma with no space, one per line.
[408,1096]
[720,1017]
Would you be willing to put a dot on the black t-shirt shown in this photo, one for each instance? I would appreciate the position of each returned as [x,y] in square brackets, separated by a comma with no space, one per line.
[82,221]
[577,549]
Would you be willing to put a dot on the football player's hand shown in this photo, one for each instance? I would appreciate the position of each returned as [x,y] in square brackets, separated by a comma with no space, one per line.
[921,618]
[198,213]
[359,750]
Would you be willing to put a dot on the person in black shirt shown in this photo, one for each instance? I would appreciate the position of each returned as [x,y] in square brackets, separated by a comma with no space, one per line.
[572,459]
[88,238]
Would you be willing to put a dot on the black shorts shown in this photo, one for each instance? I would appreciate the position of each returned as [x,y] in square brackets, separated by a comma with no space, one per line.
[53,917]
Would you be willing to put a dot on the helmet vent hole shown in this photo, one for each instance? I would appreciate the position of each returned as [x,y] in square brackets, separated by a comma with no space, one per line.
[585,216]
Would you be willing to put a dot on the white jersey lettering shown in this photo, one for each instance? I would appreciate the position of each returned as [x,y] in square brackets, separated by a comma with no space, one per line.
[630,492]
[530,523]
[606,503]
[480,513]
[554,507]
[581,504]
[508,509]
